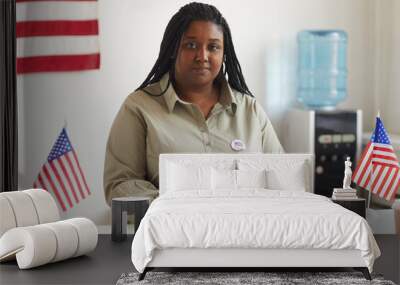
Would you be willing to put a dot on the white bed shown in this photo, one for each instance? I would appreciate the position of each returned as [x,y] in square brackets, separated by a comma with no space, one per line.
[247,210]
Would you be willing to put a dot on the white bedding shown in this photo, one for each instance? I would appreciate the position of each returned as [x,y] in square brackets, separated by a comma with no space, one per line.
[252,218]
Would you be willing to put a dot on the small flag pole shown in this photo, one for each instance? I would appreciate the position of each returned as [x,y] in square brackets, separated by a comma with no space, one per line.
[369,199]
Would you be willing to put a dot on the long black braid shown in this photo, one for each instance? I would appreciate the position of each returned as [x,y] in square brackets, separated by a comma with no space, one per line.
[171,40]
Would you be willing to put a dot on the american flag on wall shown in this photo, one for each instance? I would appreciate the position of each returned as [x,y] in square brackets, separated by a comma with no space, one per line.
[58,35]
[378,169]
[62,174]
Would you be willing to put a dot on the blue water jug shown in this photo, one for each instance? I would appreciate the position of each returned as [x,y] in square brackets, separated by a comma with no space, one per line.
[322,71]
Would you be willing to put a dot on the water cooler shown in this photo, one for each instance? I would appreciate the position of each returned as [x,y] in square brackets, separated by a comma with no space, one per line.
[317,126]
[331,135]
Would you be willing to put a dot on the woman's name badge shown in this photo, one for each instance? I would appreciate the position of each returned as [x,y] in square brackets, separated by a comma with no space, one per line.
[238,145]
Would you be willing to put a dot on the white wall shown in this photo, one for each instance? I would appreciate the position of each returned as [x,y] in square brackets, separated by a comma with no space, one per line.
[386,48]
[264,34]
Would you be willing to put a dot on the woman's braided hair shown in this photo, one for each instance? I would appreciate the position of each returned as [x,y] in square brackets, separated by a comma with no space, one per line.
[171,40]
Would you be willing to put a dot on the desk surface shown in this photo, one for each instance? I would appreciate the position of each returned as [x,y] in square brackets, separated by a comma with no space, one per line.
[111,259]
[102,266]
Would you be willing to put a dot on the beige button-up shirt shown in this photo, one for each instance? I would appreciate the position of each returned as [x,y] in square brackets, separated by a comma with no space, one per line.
[147,126]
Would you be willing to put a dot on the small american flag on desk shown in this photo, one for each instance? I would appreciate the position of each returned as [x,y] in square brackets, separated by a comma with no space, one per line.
[62,174]
[378,169]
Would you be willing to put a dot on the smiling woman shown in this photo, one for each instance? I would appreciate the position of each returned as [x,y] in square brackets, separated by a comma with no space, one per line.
[194,100]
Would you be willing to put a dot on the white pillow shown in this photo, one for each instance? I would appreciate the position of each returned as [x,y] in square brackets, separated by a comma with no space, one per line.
[236,179]
[251,178]
[223,179]
[288,178]
[181,177]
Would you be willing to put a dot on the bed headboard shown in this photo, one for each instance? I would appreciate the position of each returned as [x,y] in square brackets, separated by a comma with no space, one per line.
[235,161]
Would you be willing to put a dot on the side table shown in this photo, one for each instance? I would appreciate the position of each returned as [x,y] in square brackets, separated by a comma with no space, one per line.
[123,206]
[355,205]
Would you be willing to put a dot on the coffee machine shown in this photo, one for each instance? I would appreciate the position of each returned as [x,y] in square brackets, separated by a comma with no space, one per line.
[331,135]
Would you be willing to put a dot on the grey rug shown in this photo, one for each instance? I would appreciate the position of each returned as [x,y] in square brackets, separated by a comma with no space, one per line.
[229,278]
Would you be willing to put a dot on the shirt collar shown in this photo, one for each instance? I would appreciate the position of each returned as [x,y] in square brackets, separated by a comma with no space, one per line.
[227,98]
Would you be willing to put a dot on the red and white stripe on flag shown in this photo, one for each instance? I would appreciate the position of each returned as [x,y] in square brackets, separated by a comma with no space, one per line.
[59,35]
[378,170]
[62,174]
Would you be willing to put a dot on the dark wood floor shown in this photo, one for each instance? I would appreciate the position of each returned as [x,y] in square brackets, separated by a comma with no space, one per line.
[102,266]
